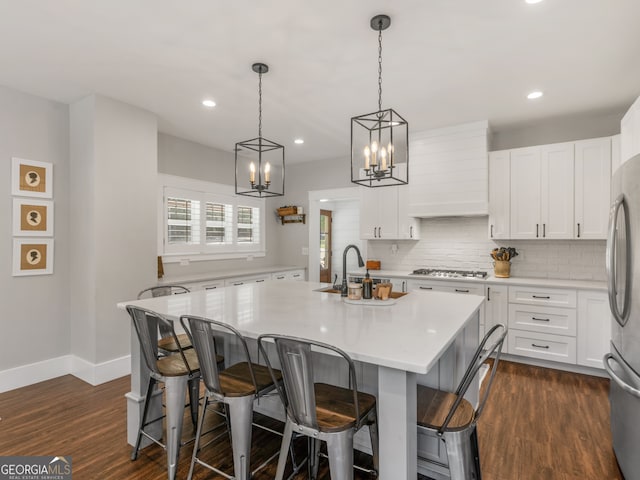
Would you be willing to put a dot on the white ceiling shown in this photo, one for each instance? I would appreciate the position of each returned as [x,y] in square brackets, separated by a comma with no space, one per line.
[444,62]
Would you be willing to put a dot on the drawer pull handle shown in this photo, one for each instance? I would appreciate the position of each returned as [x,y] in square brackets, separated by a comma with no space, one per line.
[296,275]
[462,290]
[539,346]
[426,288]
[540,319]
[239,283]
[543,297]
[209,288]
[280,278]
[261,280]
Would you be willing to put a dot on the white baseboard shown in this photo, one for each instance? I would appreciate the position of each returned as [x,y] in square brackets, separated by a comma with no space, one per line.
[94,374]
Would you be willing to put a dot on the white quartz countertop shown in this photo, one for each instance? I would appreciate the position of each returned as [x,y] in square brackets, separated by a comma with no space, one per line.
[490,279]
[222,274]
[410,335]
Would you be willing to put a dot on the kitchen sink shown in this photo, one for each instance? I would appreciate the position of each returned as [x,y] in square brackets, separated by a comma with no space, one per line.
[336,290]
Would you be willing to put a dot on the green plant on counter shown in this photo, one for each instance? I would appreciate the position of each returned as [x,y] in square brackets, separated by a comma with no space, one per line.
[503,253]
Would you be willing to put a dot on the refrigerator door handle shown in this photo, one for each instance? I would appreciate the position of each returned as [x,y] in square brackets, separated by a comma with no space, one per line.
[621,317]
[621,383]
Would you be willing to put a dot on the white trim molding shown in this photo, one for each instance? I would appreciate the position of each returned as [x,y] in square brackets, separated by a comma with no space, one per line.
[94,374]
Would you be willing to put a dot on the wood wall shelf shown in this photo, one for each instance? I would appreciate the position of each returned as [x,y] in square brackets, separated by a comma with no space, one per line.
[296,218]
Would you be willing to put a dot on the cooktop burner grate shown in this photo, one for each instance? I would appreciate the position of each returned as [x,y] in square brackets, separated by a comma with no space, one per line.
[449,273]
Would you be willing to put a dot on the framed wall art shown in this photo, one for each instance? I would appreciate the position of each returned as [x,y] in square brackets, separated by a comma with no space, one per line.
[32,217]
[30,178]
[32,256]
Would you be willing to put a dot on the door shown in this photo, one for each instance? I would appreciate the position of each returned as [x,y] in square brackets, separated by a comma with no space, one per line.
[325,246]
[499,191]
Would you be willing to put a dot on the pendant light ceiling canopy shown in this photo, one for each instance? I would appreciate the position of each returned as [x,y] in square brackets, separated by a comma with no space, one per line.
[259,162]
[380,140]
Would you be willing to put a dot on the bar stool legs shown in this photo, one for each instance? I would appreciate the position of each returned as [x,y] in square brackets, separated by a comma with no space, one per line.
[241,413]
[175,389]
[340,452]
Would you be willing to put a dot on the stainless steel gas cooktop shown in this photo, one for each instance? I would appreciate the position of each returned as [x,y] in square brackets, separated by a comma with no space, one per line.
[449,273]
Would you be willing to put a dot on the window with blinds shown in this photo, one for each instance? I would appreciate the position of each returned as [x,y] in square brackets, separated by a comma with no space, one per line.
[209,219]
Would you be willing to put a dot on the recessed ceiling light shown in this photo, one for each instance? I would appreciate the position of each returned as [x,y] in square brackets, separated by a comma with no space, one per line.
[532,1]
[535,94]
[209,103]
[298,141]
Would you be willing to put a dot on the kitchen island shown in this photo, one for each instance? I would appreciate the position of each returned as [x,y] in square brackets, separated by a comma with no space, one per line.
[425,337]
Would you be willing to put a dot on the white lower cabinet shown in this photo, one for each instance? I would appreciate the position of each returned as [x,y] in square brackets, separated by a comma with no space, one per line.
[208,285]
[542,323]
[594,328]
[237,281]
[496,309]
[295,275]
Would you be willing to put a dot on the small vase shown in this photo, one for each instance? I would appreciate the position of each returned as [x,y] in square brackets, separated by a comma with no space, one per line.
[502,269]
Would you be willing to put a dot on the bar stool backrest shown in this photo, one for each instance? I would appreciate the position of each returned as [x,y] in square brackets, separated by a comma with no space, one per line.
[296,364]
[497,334]
[162,291]
[202,331]
[145,322]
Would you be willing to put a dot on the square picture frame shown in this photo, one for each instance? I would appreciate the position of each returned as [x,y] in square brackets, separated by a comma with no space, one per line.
[32,218]
[32,256]
[30,178]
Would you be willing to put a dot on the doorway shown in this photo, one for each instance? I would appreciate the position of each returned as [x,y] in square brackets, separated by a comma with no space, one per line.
[325,246]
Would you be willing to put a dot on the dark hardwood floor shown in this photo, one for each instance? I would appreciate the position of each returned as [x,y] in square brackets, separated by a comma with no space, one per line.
[539,424]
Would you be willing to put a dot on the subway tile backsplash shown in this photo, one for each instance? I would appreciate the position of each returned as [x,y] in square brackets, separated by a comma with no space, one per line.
[462,243]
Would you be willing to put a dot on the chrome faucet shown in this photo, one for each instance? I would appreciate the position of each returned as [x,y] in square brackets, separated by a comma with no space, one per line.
[344,289]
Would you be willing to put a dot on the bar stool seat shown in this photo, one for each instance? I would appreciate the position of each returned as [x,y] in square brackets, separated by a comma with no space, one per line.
[236,380]
[434,406]
[168,344]
[335,410]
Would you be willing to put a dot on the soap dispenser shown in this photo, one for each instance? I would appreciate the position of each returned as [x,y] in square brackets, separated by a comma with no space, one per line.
[367,287]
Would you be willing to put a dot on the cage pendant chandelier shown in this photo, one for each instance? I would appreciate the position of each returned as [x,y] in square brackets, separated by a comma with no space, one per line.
[380,140]
[259,162]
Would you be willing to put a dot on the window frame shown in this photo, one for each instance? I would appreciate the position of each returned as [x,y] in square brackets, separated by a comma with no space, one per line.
[207,192]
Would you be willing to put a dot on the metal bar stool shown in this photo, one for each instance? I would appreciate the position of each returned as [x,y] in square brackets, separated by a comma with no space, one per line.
[175,371]
[237,387]
[166,342]
[451,419]
[320,411]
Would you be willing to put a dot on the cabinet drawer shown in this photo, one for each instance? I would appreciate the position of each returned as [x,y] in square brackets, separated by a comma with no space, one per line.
[536,318]
[557,348]
[244,280]
[551,297]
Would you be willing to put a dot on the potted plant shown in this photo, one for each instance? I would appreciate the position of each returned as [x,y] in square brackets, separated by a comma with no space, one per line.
[502,257]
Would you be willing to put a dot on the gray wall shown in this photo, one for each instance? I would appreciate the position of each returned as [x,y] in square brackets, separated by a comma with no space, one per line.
[560,129]
[113,209]
[184,158]
[35,316]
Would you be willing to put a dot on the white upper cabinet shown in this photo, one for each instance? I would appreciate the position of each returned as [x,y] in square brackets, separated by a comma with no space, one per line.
[542,192]
[557,191]
[556,196]
[525,192]
[592,164]
[499,192]
[630,132]
[383,214]
[449,171]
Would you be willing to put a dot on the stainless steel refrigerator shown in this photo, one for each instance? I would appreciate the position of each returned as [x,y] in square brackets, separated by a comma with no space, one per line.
[623,277]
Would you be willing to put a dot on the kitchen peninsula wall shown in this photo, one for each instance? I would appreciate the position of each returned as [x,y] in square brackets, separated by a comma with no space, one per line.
[461,242]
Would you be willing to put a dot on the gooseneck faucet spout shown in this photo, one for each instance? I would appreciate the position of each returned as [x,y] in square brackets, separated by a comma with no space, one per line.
[344,289]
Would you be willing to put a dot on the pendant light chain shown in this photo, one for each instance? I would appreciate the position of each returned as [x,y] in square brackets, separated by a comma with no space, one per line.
[380,69]
[260,104]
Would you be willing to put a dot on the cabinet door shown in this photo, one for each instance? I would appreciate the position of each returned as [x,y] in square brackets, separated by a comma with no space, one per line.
[387,212]
[525,193]
[496,308]
[369,212]
[408,227]
[594,328]
[593,188]
[499,191]
[556,196]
